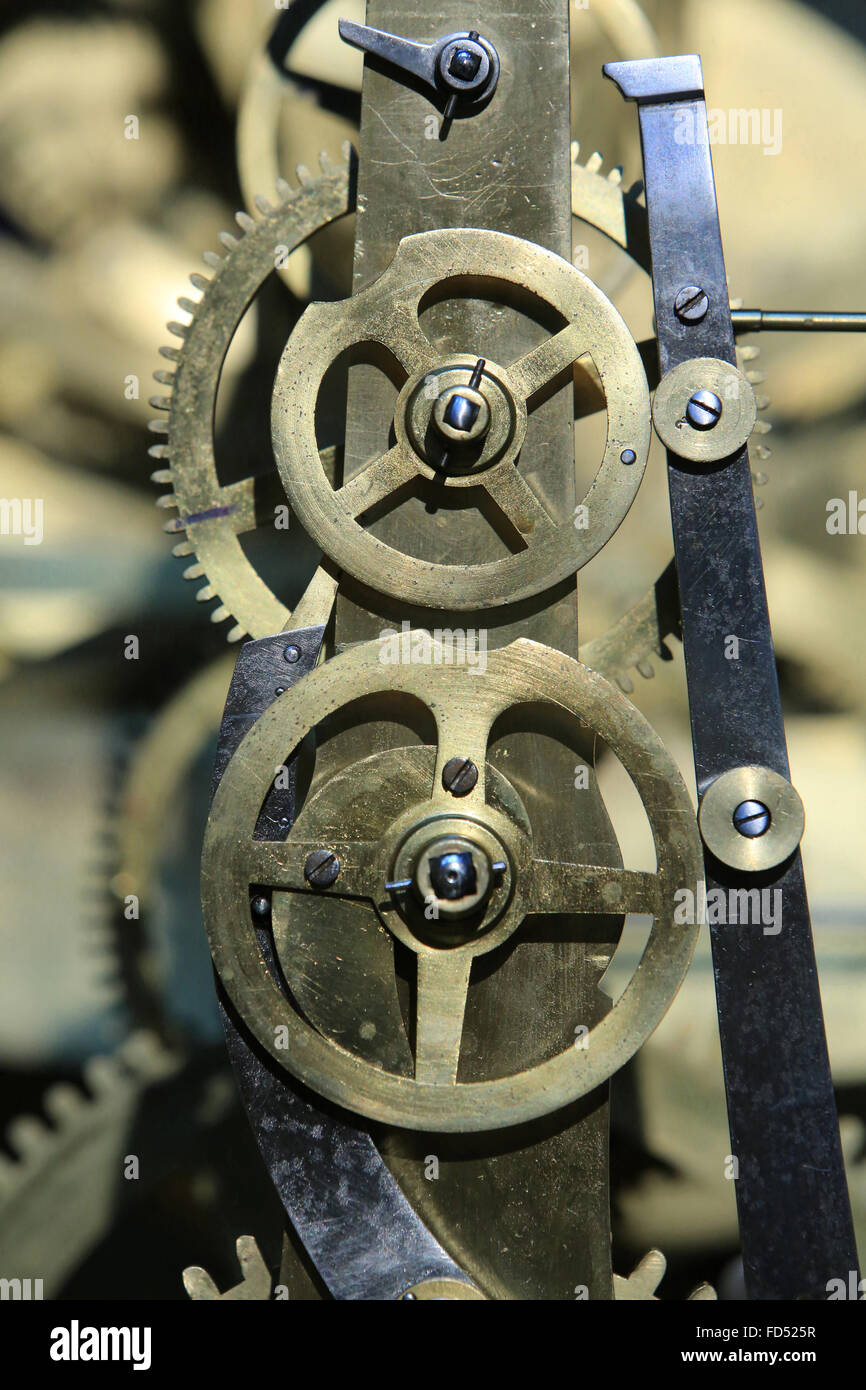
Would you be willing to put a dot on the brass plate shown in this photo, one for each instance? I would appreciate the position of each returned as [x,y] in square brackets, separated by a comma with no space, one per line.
[751,783]
[464,705]
[735,424]
[386,313]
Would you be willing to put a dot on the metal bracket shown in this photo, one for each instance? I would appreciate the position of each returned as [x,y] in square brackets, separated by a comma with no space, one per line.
[795,1217]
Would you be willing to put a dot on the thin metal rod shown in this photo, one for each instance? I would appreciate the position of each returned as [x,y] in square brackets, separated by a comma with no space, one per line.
[796,321]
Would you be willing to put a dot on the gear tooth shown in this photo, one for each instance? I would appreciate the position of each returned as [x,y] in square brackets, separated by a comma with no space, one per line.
[160,451]
[594,163]
[102,1075]
[347,150]
[166,500]
[762,452]
[62,1103]
[180,330]
[303,175]
[161,475]
[262,205]
[228,241]
[158,426]
[188,305]
[236,633]
[8,1173]
[735,303]
[326,163]
[164,378]
[27,1134]
[762,427]
[625,684]
[284,190]
[212,259]
[575,151]
[193,572]
[759,503]
[244,221]
[220,614]
[748,351]
[160,402]
[762,402]
[182,548]
[615,175]
[199,281]
[146,1055]
[173,526]
[760,479]
[646,669]
[204,594]
[172,353]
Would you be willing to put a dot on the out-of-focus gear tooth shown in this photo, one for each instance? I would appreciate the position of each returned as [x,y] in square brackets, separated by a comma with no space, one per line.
[615,175]
[263,205]
[180,330]
[735,303]
[183,548]
[594,162]
[284,190]
[102,1075]
[161,475]
[173,526]
[160,402]
[749,351]
[158,426]
[761,451]
[236,633]
[164,378]
[167,500]
[760,479]
[205,594]
[193,571]
[172,353]
[762,402]
[189,306]
[625,684]
[646,669]
[575,151]
[220,614]
[62,1102]
[303,174]
[212,259]
[198,281]
[27,1135]
[762,427]
[756,377]
[244,221]
[759,502]
[326,163]
[347,150]
[228,241]
[160,451]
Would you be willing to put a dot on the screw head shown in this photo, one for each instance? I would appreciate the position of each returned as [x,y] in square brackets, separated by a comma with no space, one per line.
[464,63]
[259,906]
[627,456]
[752,818]
[321,868]
[292,654]
[459,776]
[691,304]
[453,875]
[704,410]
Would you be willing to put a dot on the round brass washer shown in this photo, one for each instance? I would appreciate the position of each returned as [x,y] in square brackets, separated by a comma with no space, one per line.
[751,783]
[494,928]
[735,424]
[419,399]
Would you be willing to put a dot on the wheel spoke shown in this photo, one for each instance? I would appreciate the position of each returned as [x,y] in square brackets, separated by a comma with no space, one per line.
[590,888]
[377,480]
[519,504]
[443,981]
[280,864]
[556,354]
[462,732]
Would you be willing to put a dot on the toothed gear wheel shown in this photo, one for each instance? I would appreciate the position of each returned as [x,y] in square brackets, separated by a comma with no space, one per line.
[640,1286]
[212,516]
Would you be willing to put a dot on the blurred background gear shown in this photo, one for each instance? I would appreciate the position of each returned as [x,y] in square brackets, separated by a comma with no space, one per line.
[129,135]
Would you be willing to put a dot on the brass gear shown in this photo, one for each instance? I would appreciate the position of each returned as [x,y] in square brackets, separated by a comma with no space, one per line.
[386,313]
[213,515]
[464,707]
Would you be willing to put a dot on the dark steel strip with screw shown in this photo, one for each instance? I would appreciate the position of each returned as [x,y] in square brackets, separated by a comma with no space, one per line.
[360,1232]
[795,1217]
